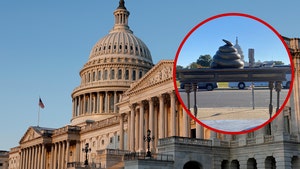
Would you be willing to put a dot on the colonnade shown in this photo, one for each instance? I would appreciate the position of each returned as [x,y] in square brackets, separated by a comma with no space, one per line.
[96,102]
[33,157]
[53,156]
[113,73]
[161,114]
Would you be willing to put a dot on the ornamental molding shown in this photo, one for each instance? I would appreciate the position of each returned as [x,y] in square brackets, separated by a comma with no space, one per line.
[160,73]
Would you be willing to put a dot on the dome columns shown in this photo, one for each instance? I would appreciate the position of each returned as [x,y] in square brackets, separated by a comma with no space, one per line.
[96,103]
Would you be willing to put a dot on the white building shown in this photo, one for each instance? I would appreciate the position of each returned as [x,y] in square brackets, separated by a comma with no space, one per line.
[122,94]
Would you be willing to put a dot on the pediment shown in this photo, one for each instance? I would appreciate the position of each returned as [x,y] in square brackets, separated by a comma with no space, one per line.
[32,133]
[160,73]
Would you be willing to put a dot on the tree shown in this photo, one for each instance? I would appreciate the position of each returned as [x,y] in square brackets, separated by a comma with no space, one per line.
[193,65]
[278,63]
[204,60]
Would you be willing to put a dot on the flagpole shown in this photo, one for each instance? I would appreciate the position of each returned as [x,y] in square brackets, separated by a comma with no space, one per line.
[38,124]
[41,105]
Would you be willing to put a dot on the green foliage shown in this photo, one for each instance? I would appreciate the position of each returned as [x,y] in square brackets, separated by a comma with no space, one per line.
[193,65]
[204,60]
[278,63]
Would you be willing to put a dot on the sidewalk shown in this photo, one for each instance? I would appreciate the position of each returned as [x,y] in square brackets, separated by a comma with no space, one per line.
[233,119]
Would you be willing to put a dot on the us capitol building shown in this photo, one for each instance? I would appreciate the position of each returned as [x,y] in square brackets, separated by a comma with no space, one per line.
[122,94]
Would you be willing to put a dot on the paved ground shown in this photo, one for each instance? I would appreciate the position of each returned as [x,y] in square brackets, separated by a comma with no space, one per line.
[233,119]
[232,113]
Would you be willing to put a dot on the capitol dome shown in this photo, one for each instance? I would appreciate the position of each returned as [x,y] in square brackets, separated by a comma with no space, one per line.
[121,43]
[115,62]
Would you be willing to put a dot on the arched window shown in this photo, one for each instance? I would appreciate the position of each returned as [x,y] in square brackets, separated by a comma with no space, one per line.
[105,75]
[94,76]
[140,74]
[88,77]
[120,74]
[126,74]
[112,74]
[133,74]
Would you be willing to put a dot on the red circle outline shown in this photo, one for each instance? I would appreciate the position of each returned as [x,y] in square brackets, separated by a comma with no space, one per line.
[224,15]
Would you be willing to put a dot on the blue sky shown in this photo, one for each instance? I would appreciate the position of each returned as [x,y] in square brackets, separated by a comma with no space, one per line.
[207,38]
[44,44]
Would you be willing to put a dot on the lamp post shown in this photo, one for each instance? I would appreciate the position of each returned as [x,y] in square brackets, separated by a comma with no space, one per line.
[148,139]
[86,149]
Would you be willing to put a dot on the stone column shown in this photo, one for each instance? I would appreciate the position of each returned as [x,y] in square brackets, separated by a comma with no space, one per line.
[63,154]
[55,156]
[24,159]
[151,116]
[79,105]
[137,125]
[73,108]
[30,158]
[43,157]
[97,103]
[141,128]
[21,159]
[283,161]
[77,154]
[186,123]
[132,133]
[199,131]
[115,101]
[121,128]
[271,86]
[33,160]
[128,130]
[67,153]
[101,104]
[38,159]
[90,104]
[161,117]
[173,114]
[106,104]
[51,158]
[166,120]
[59,155]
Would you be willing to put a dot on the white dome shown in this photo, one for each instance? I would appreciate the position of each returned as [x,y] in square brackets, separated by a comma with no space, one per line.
[121,43]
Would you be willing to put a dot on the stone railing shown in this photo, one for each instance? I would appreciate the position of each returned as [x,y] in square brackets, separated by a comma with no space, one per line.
[268,138]
[250,141]
[101,124]
[184,140]
[142,156]
[68,128]
[234,143]
[113,152]
[103,83]
[80,165]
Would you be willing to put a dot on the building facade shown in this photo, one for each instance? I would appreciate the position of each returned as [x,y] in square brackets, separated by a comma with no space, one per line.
[4,159]
[122,94]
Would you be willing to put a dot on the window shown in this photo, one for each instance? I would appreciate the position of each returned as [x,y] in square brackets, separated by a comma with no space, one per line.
[120,74]
[105,74]
[88,77]
[112,75]
[126,74]
[102,142]
[94,76]
[133,75]
[140,74]
[111,140]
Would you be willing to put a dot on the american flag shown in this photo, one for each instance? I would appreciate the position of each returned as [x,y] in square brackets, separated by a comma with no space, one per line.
[41,104]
